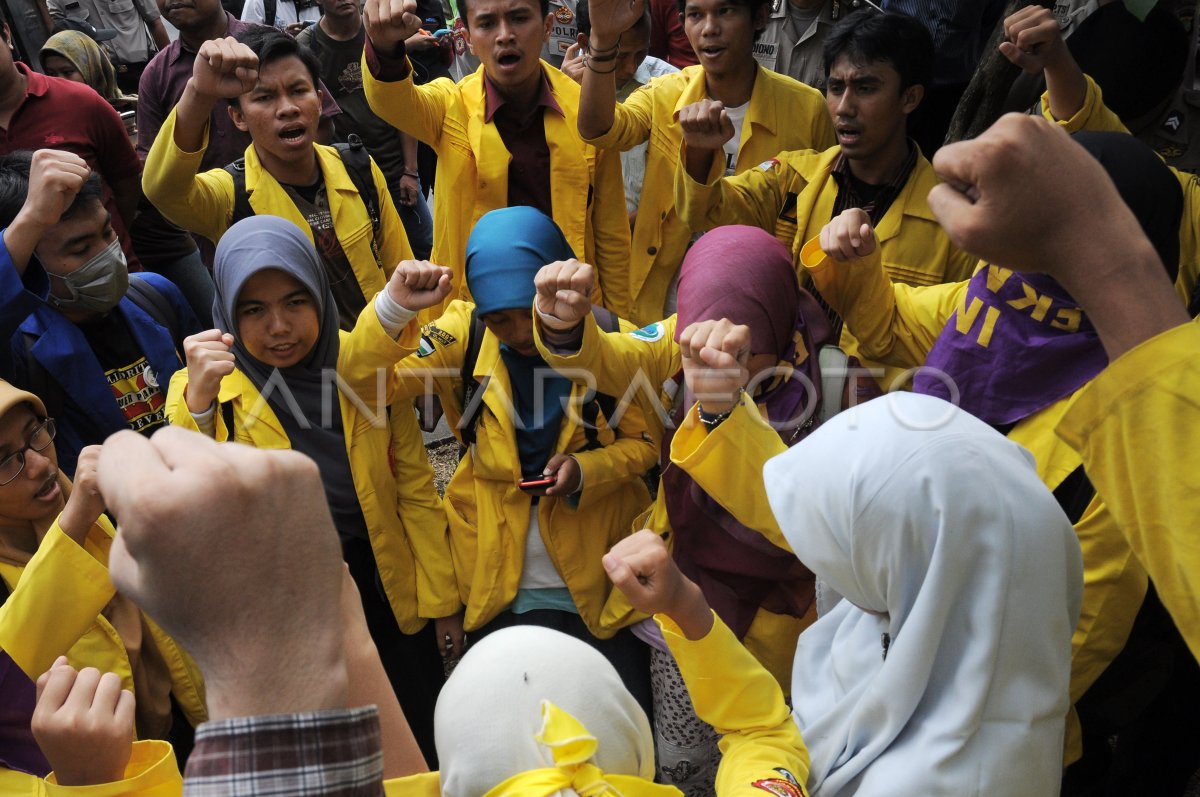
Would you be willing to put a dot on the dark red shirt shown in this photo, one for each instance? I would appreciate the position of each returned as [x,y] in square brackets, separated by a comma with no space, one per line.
[667,39]
[524,136]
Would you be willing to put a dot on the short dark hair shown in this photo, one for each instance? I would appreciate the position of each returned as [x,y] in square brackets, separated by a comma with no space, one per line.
[753,5]
[544,5]
[14,187]
[271,45]
[583,18]
[867,36]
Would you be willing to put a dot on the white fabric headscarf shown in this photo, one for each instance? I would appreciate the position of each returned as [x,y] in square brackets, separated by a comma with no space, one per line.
[489,712]
[938,533]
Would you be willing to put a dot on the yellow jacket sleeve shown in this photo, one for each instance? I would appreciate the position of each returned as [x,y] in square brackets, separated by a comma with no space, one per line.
[753,197]
[894,324]
[609,225]
[1094,115]
[1132,426]
[727,464]
[621,361]
[632,121]
[202,203]
[732,692]
[437,364]
[419,111]
[151,772]
[610,467]
[60,593]
[368,356]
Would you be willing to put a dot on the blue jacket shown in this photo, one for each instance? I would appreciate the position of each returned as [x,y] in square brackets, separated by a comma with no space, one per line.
[90,413]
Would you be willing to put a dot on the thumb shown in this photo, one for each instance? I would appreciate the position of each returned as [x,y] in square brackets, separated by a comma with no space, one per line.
[227,339]
[554,464]
[1017,56]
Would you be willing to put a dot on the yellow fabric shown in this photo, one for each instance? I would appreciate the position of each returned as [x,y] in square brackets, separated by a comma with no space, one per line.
[488,515]
[1095,115]
[898,325]
[727,465]
[914,248]
[55,609]
[587,193]
[203,203]
[391,470]
[151,772]
[1134,428]
[732,692]
[572,748]
[783,114]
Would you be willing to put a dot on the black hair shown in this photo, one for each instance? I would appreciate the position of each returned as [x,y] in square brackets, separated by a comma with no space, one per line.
[583,18]
[271,45]
[868,36]
[14,187]
[753,5]
[544,5]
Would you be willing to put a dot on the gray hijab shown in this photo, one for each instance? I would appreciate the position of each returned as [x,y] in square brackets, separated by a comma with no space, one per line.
[296,394]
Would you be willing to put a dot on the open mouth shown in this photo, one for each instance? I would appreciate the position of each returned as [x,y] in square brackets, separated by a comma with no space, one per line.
[49,489]
[508,59]
[712,52]
[293,133]
[848,135]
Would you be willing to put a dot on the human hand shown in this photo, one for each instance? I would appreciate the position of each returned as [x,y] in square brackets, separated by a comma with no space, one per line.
[1033,40]
[209,360]
[86,503]
[848,235]
[55,179]
[421,41]
[409,190]
[564,293]
[611,18]
[567,474]
[715,355]
[572,65]
[224,69]
[417,284]
[294,28]
[642,568]
[83,724]
[705,124]
[390,22]
[451,638]
[185,499]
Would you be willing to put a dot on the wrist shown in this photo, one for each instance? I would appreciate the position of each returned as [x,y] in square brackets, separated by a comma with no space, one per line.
[27,223]
[199,399]
[192,91]
[709,408]
[690,611]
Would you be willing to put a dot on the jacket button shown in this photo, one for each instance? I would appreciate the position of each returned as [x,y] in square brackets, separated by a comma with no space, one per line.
[652,250]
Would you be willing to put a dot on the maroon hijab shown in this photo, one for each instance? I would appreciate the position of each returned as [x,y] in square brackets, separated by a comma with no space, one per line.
[746,275]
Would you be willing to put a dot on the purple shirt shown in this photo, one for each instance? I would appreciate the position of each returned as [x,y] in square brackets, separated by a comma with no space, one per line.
[18,750]
[162,85]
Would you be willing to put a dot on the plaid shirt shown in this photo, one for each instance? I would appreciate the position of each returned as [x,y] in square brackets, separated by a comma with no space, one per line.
[334,753]
[875,208]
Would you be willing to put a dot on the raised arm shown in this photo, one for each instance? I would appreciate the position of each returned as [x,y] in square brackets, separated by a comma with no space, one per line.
[1035,44]
[598,95]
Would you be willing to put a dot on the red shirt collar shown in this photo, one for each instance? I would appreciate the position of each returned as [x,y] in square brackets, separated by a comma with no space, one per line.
[36,84]
[495,101]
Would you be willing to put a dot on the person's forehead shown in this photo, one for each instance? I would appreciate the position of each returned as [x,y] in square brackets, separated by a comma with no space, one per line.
[285,69]
[14,422]
[847,68]
[479,8]
[709,5]
[90,219]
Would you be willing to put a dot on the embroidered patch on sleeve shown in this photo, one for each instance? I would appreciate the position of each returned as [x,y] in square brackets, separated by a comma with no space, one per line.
[426,347]
[438,335]
[650,334]
[779,787]
[768,165]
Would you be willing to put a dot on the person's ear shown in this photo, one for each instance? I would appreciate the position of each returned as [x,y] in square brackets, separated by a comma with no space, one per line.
[548,23]
[911,98]
[239,121]
[8,37]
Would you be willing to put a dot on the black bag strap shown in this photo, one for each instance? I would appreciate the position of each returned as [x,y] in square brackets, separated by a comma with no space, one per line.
[472,395]
[241,200]
[158,307]
[269,8]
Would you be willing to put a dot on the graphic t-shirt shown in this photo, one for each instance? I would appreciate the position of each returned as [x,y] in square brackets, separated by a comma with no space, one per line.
[133,383]
[313,203]
[737,115]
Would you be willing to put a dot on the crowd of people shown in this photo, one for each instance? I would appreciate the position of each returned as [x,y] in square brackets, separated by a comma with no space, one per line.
[799,451]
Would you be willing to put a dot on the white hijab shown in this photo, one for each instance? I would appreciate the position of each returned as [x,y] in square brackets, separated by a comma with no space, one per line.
[938,533]
[489,712]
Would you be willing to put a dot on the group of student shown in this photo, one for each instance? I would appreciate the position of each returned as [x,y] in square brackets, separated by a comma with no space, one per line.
[689,545]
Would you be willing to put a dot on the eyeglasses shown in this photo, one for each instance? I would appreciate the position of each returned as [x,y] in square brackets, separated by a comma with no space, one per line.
[39,440]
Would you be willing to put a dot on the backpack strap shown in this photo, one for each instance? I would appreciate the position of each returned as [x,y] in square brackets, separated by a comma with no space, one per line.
[269,8]
[151,301]
[600,402]
[357,161]
[835,373]
[472,391]
[241,200]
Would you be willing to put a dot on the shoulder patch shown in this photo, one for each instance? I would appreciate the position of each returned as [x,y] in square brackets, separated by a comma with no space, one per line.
[779,787]
[650,334]
[426,347]
[768,165]
[438,335]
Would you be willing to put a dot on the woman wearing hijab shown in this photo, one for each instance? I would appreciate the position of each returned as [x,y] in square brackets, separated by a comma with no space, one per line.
[944,669]
[266,377]
[529,555]
[57,599]
[72,55]
[1013,350]
[533,712]
[737,556]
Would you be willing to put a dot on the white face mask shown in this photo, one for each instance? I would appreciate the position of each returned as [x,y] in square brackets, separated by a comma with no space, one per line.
[99,284]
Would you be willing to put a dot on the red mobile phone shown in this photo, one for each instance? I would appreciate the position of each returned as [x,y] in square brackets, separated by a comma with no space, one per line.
[536,484]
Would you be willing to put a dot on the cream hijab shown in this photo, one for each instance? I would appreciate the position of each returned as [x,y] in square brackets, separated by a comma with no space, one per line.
[490,713]
[949,551]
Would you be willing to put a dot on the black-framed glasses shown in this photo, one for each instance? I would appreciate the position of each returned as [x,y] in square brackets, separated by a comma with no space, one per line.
[39,440]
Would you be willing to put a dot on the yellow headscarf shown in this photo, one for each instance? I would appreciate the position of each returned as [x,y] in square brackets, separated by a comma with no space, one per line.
[82,51]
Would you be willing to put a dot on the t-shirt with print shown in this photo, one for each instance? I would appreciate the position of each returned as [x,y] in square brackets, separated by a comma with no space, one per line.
[313,203]
[128,371]
[737,116]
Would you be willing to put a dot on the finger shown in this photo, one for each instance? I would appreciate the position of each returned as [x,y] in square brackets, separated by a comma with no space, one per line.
[719,360]
[623,577]
[206,335]
[57,687]
[84,690]
[124,713]
[107,694]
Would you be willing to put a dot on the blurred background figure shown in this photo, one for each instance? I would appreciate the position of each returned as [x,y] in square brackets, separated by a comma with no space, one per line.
[76,56]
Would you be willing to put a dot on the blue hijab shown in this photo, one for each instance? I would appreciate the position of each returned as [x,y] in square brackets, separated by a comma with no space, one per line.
[506,249]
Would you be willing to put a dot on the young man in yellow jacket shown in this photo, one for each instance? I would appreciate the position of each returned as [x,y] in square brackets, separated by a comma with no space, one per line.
[878,67]
[504,136]
[271,83]
[762,112]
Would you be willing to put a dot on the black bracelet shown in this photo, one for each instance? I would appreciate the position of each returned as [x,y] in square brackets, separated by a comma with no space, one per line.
[587,62]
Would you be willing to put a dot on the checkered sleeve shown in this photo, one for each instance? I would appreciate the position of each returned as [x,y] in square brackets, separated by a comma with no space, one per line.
[334,753]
